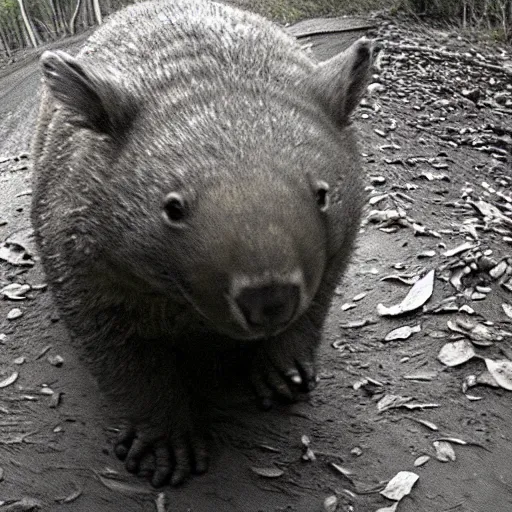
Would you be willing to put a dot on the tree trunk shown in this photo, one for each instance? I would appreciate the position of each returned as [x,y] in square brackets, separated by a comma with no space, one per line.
[97,11]
[62,19]
[72,21]
[28,26]
[5,42]
[17,32]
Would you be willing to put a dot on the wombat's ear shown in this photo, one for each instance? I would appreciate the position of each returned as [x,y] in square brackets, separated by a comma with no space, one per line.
[100,104]
[341,81]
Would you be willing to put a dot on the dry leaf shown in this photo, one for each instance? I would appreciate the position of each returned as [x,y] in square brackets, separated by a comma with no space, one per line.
[331,504]
[391,508]
[508,309]
[417,296]
[486,379]
[456,352]
[392,402]
[402,333]
[408,279]
[454,440]
[14,313]
[444,451]
[9,380]
[268,472]
[400,485]
[24,505]
[501,371]
[344,471]
[426,423]
[72,496]
[15,254]
[124,487]
[15,291]
[424,376]
[457,250]
[420,406]
[421,460]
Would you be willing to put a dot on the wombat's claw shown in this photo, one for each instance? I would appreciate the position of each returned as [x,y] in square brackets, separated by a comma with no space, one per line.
[273,377]
[139,453]
[123,443]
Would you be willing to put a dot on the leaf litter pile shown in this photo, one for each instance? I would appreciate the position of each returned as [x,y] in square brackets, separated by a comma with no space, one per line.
[455,261]
[463,261]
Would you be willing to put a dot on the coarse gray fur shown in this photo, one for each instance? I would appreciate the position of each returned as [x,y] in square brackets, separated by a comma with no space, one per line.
[221,112]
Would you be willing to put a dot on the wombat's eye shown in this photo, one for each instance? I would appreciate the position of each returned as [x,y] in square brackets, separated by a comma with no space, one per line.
[322,195]
[175,209]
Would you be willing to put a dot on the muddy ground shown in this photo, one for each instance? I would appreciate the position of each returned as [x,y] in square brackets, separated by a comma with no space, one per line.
[436,139]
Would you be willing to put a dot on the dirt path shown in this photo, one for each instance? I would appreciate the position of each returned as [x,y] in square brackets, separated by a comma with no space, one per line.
[428,148]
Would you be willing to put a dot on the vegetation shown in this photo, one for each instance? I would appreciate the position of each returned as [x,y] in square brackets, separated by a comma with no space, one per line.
[492,15]
[30,23]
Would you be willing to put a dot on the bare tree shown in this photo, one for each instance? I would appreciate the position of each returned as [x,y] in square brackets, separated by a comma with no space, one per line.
[28,25]
[72,21]
[97,11]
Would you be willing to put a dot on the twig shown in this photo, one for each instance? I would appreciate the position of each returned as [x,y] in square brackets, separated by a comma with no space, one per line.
[447,55]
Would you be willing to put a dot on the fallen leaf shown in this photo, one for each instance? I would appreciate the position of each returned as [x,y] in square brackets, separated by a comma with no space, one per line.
[457,250]
[268,472]
[331,504]
[417,296]
[402,333]
[420,406]
[391,508]
[456,352]
[110,481]
[424,376]
[454,440]
[483,336]
[426,423]
[15,254]
[408,279]
[392,402]
[421,460]
[72,496]
[344,471]
[24,505]
[444,451]
[400,485]
[501,371]
[9,380]
[427,254]
[508,309]
[15,291]
[358,323]
[14,313]
[486,379]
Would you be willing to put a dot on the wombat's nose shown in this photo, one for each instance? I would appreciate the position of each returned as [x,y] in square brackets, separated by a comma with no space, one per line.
[270,306]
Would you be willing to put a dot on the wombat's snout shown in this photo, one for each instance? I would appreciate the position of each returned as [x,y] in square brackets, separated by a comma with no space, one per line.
[269,307]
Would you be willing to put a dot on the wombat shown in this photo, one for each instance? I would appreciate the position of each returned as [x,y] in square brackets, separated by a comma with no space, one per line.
[197,180]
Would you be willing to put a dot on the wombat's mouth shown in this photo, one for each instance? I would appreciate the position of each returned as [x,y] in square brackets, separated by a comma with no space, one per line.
[252,309]
[234,325]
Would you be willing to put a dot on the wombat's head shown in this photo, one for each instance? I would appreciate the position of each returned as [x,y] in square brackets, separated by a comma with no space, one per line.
[231,203]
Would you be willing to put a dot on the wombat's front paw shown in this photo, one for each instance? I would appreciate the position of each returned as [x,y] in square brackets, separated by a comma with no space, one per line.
[151,450]
[282,368]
